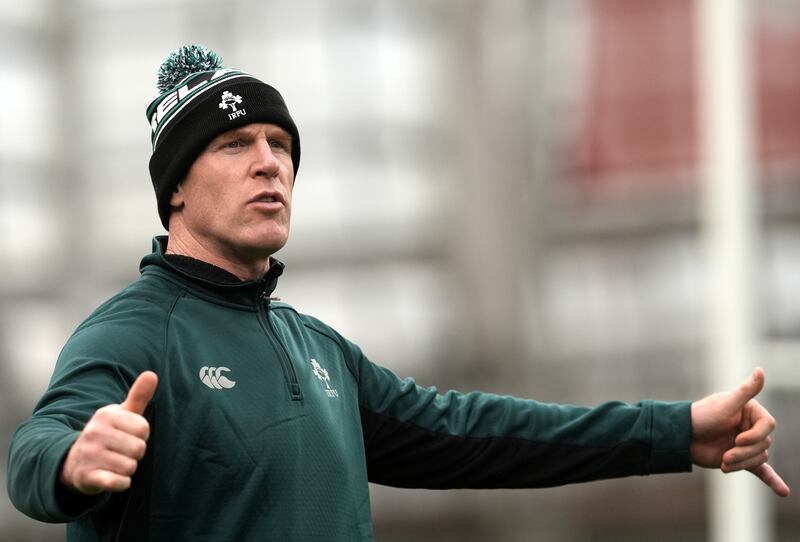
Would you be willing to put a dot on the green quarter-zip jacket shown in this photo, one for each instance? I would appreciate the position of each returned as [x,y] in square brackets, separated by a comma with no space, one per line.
[267,424]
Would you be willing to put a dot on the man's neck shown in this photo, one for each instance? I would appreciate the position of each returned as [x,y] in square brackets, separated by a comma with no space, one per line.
[181,244]
[201,269]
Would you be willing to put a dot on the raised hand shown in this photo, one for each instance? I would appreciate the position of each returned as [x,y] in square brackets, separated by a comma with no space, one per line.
[108,450]
[731,431]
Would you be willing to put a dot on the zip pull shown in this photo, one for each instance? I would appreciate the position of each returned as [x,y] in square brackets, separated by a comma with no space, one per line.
[267,299]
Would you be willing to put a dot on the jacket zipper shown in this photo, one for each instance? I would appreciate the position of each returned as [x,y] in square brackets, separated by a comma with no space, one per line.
[288,368]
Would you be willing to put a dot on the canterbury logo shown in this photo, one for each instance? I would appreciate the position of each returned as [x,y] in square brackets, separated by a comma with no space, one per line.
[214,379]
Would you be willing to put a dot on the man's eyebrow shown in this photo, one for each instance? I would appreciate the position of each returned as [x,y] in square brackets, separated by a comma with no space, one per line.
[280,132]
[236,132]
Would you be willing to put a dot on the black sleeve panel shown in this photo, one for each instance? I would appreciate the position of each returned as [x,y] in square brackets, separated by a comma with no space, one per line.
[402,454]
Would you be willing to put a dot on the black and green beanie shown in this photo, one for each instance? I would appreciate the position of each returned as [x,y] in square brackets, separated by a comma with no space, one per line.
[199,100]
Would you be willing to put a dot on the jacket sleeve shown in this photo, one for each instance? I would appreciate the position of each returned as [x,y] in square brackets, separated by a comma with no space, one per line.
[95,368]
[417,437]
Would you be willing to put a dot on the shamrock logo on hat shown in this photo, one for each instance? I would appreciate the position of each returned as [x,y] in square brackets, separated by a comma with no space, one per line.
[228,99]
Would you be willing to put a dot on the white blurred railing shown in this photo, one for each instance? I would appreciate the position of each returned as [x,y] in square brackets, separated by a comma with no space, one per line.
[737,504]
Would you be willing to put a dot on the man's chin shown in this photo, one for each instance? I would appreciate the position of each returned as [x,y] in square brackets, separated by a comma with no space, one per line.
[265,247]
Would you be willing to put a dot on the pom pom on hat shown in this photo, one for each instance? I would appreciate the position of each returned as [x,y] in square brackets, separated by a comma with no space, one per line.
[185,61]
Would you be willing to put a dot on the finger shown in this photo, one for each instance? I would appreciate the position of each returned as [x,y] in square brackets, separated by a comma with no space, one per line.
[127,444]
[768,475]
[762,424]
[743,453]
[747,422]
[141,392]
[131,424]
[100,480]
[748,463]
[116,463]
[748,389]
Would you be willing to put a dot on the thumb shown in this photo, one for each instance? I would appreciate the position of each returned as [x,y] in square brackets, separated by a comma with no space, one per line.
[141,392]
[749,388]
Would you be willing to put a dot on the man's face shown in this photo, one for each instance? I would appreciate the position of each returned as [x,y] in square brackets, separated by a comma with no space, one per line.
[237,197]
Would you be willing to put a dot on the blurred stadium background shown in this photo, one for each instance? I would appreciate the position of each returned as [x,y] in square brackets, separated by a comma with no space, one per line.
[504,195]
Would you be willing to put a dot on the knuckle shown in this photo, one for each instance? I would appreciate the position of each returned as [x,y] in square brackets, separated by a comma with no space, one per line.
[121,418]
[92,477]
[90,451]
[110,481]
[100,420]
[772,423]
[94,480]
[93,439]
[143,428]
[139,449]
[120,483]
[129,467]
[105,413]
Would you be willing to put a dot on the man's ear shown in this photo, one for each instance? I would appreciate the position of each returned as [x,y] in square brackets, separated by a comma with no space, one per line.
[176,199]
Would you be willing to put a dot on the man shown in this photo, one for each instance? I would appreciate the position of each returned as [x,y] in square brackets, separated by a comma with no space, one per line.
[192,405]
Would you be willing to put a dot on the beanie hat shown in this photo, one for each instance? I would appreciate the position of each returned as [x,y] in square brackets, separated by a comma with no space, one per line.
[200,100]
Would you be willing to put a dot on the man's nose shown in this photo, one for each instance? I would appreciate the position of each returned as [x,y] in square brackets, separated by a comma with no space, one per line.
[265,163]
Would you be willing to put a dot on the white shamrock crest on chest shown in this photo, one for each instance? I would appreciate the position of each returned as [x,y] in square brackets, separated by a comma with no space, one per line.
[320,373]
[324,377]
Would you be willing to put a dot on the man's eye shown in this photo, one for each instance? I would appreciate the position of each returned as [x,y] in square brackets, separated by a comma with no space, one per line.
[236,143]
[278,144]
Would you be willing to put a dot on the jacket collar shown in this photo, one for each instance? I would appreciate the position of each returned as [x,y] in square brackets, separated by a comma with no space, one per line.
[201,279]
